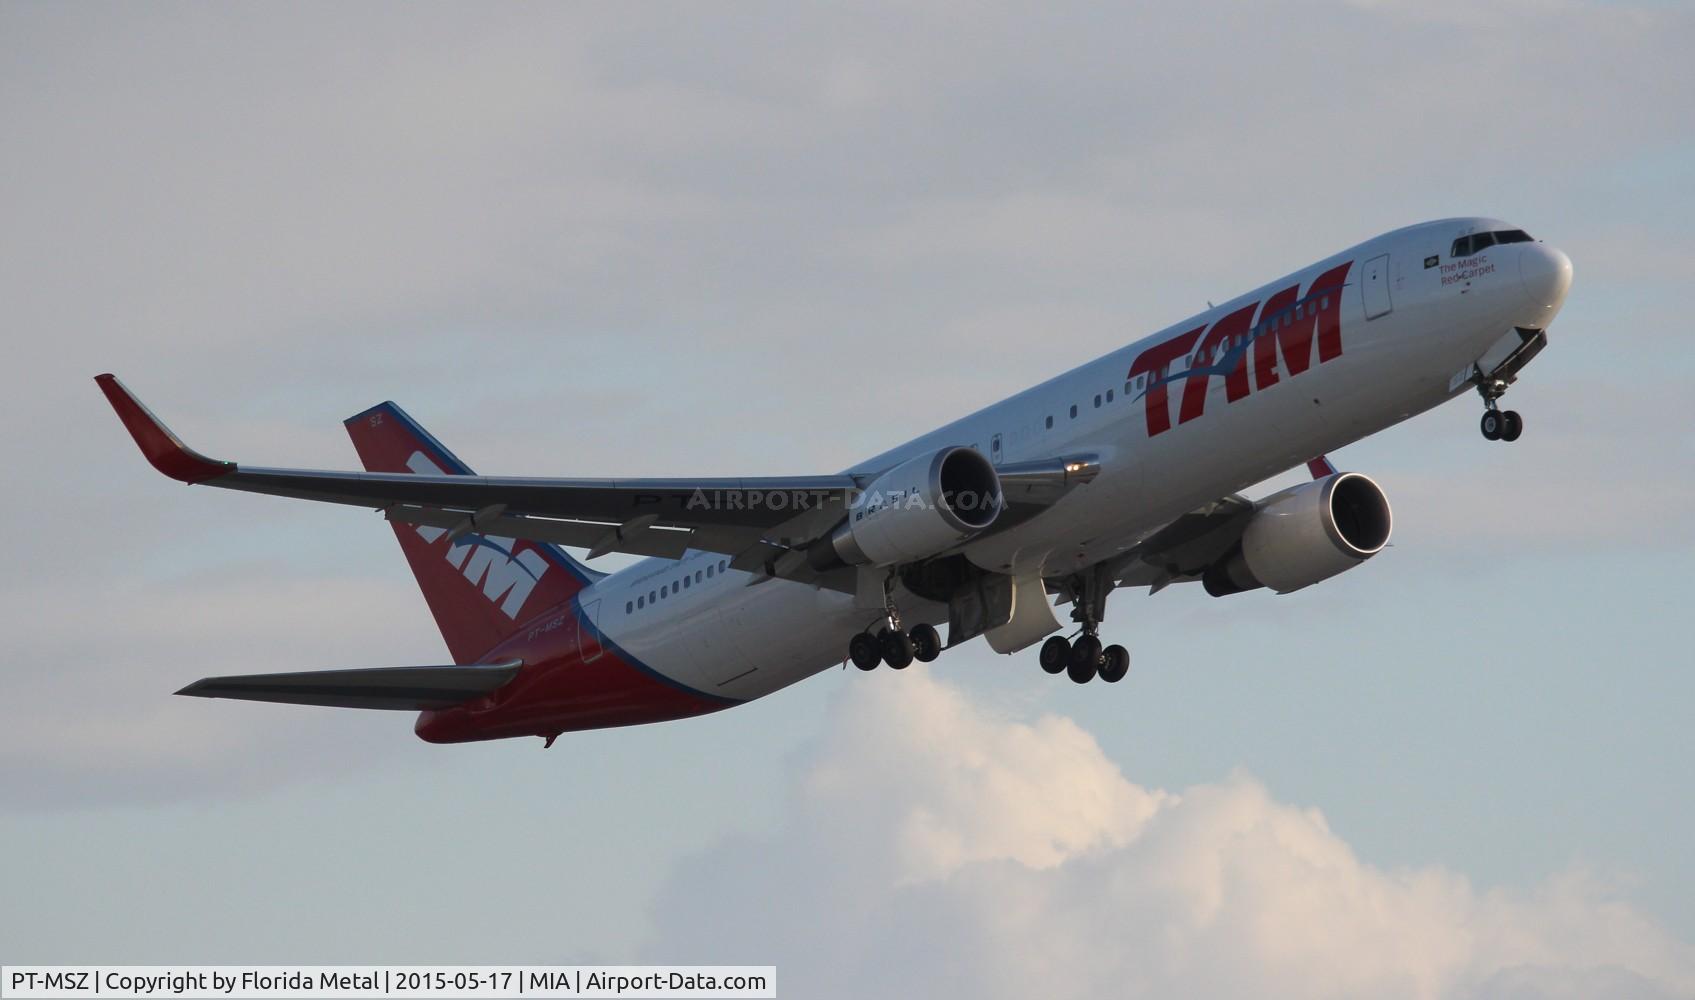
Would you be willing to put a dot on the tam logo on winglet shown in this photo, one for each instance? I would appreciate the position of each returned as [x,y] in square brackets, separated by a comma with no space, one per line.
[488,561]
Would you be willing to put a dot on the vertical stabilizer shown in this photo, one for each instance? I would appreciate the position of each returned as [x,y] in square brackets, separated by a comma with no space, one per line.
[480,588]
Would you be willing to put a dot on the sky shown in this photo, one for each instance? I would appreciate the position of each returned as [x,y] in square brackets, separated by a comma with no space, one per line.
[767,239]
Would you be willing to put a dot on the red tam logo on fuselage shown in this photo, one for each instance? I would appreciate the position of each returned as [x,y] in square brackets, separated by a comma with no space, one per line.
[1288,323]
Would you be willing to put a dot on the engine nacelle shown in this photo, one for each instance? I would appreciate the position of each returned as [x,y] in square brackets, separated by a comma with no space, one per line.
[1305,534]
[917,509]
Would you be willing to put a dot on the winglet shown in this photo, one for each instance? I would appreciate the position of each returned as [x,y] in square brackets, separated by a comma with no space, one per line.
[164,450]
[1321,468]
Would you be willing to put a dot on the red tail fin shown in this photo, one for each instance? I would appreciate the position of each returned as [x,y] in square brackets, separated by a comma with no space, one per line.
[480,588]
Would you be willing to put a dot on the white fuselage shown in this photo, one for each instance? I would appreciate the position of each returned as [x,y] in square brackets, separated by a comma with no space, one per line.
[1431,322]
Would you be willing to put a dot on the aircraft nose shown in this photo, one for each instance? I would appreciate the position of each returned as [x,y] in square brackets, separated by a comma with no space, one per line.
[1545,274]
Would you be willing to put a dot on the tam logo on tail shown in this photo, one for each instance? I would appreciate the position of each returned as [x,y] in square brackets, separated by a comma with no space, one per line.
[488,561]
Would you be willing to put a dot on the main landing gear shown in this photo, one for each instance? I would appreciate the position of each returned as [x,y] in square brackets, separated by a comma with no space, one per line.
[1497,424]
[892,644]
[897,649]
[1083,658]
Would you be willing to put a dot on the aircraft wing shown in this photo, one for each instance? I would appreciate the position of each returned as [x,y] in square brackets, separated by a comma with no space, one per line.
[397,688]
[1181,551]
[641,516]
[762,523]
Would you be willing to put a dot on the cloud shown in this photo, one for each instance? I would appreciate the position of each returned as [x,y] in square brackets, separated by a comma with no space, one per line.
[933,846]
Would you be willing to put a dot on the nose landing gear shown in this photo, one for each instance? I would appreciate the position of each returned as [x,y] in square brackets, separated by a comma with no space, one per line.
[1497,424]
[1502,425]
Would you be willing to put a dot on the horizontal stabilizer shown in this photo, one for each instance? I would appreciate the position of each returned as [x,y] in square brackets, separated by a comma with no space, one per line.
[397,688]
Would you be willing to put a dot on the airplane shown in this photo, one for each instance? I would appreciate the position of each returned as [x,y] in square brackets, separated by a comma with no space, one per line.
[1123,472]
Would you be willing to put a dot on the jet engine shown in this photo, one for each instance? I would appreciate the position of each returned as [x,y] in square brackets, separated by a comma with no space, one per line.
[1305,534]
[915,510]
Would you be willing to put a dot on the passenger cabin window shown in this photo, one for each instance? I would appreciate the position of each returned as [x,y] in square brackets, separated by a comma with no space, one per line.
[1074,411]
[1097,400]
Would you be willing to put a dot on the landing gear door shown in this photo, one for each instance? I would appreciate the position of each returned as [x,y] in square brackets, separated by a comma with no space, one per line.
[1375,282]
[1029,617]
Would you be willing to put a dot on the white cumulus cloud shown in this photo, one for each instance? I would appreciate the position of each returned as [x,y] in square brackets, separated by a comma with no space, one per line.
[932,846]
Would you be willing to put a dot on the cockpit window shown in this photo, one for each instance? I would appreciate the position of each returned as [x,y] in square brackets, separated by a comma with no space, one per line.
[1465,246]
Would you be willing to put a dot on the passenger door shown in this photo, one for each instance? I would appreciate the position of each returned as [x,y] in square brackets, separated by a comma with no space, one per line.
[588,633]
[1375,282]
